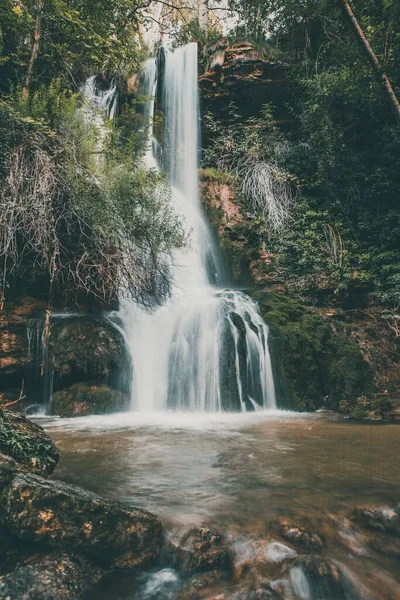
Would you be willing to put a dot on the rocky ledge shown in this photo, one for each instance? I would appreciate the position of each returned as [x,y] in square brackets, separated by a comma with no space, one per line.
[57,540]
[248,77]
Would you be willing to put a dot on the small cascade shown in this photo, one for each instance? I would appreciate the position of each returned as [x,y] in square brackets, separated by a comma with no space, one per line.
[40,376]
[207,349]
[98,101]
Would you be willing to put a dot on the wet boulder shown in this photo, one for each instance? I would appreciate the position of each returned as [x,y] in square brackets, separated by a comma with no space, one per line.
[201,549]
[300,536]
[314,577]
[57,576]
[85,349]
[55,514]
[8,468]
[27,443]
[82,399]
[382,518]
[202,585]
[386,545]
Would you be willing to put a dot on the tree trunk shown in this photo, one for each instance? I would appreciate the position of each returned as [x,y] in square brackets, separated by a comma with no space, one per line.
[203,14]
[379,72]
[35,50]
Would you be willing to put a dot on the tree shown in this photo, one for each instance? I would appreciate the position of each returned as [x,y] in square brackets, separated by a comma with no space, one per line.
[35,48]
[379,72]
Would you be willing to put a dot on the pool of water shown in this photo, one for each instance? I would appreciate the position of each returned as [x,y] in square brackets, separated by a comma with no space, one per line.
[240,472]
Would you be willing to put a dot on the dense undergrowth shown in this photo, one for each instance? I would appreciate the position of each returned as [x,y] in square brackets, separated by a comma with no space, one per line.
[341,158]
[81,221]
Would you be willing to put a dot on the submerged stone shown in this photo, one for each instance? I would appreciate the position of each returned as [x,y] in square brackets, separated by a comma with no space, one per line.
[383,518]
[57,576]
[314,577]
[300,536]
[201,549]
[56,514]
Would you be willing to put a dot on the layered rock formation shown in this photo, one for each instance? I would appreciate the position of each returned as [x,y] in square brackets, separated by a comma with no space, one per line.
[241,74]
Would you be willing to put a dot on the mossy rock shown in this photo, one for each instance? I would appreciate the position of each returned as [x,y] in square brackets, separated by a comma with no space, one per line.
[319,367]
[83,399]
[86,349]
[27,443]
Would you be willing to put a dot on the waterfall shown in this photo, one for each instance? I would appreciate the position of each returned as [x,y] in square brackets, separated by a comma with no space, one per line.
[207,349]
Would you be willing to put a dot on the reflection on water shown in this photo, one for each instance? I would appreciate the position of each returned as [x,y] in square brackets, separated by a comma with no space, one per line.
[238,471]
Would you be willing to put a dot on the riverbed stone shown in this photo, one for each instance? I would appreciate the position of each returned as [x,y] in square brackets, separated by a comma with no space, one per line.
[386,545]
[202,585]
[56,514]
[58,576]
[316,577]
[382,518]
[201,549]
[27,443]
[300,536]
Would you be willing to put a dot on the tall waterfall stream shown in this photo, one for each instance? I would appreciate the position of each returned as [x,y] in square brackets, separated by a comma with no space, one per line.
[218,460]
[207,349]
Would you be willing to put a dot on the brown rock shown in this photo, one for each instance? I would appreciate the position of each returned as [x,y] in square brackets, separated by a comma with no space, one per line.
[58,576]
[383,518]
[300,536]
[55,514]
[202,549]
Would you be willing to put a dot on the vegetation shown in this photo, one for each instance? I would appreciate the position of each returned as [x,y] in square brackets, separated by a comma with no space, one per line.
[342,158]
[321,367]
[75,202]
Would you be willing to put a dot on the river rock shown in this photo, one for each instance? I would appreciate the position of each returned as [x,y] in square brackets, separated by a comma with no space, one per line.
[202,585]
[314,577]
[8,468]
[56,514]
[300,536]
[27,443]
[383,518]
[386,545]
[58,576]
[83,399]
[201,549]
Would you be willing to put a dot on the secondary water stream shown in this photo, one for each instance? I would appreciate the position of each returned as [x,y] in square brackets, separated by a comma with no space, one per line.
[239,473]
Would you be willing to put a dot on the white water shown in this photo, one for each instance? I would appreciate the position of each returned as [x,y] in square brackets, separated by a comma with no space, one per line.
[207,349]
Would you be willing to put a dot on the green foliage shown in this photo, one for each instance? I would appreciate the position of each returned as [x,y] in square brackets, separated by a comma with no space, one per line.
[90,219]
[344,154]
[77,38]
[190,31]
[25,448]
[362,408]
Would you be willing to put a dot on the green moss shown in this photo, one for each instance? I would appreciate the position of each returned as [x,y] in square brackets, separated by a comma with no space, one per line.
[27,443]
[321,367]
[363,408]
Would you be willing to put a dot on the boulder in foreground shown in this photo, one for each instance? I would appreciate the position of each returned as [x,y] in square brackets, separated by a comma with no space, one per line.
[57,576]
[55,514]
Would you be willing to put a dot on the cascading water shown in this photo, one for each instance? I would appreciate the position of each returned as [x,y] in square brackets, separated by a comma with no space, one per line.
[207,349]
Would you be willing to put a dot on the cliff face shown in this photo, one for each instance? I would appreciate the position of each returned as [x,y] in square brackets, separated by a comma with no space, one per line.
[325,356]
[245,76]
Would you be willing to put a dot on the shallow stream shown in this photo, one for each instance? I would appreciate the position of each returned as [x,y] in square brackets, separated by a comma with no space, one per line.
[239,473]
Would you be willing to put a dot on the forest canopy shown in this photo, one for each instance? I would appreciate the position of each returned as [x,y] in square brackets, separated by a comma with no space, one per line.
[341,161]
